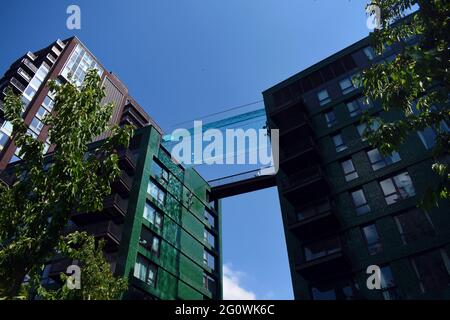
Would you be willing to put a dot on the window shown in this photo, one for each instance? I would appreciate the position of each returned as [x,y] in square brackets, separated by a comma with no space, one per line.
[149,241]
[41,113]
[209,218]
[3,140]
[360,202]
[388,285]
[79,62]
[209,260]
[323,97]
[428,138]
[160,172]
[36,125]
[372,239]
[432,270]
[358,106]
[321,208]
[342,292]
[152,215]
[209,283]
[397,188]
[369,52]
[209,238]
[156,192]
[145,270]
[349,170]
[339,143]
[330,118]
[321,249]
[347,85]
[363,126]
[48,103]
[413,225]
[378,161]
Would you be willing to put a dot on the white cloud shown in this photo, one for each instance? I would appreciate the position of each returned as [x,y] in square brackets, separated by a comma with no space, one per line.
[232,289]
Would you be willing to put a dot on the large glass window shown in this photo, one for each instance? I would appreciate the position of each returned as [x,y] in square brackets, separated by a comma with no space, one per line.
[209,218]
[413,225]
[48,103]
[79,63]
[209,238]
[156,192]
[321,248]
[323,97]
[432,270]
[145,270]
[360,202]
[428,138]
[330,118]
[373,240]
[347,85]
[152,215]
[378,161]
[397,188]
[369,52]
[358,106]
[209,260]
[339,143]
[209,283]
[388,285]
[36,125]
[349,170]
[159,171]
[362,128]
[150,241]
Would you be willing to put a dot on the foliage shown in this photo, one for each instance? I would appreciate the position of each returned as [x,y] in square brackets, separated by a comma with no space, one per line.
[97,280]
[416,82]
[35,209]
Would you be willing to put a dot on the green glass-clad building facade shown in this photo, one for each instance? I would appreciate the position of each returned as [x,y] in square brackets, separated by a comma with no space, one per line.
[344,205]
[170,246]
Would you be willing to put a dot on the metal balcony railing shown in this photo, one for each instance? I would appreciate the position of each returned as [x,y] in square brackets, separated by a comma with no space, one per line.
[302,177]
[29,64]
[17,84]
[298,147]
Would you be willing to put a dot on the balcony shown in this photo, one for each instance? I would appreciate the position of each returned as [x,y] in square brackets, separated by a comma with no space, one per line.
[298,154]
[106,230]
[23,74]
[26,62]
[131,115]
[315,218]
[323,259]
[122,185]
[305,186]
[60,44]
[50,58]
[17,84]
[126,160]
[31,55]
[114,206]
[289,116]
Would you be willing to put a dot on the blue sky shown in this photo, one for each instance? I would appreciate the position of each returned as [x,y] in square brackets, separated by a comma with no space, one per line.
[185,59]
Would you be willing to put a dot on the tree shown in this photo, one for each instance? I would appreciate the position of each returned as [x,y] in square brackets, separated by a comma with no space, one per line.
[416,82]
[36,207]
[97,280]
